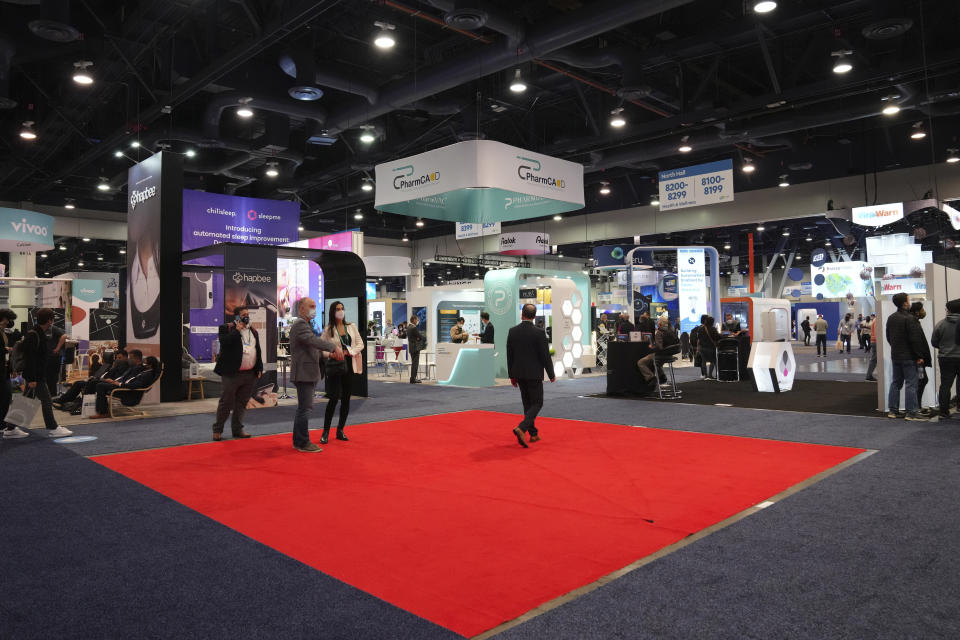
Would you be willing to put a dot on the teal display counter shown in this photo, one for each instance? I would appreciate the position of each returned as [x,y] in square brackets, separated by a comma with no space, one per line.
[465,365]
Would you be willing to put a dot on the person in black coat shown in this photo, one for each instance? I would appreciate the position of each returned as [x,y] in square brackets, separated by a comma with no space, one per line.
[137,376]
[908,351]
[486,335]
[239,365]
[414,345]
[36,352]
[528,357]
[6,390]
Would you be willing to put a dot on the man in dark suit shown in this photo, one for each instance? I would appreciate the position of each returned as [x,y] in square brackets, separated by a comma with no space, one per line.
[528,356]
[108,371]
[414,345]
[137,376]
[239,365]
[486,335]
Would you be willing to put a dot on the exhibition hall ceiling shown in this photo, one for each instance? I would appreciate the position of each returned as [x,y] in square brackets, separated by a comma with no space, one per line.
[299,100]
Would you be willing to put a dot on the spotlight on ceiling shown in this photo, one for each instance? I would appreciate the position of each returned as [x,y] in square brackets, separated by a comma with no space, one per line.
[616,118]
[86,239]
[891,110]
[726,246]
[604,188]
[123,252]
[558,218]
[748,166]
[80,264]
[367,184]
[809,238]
[367,134]
[300,228]
[654,201]
[244,110]
[420,222]
[358,215]
[384,37]
[81,72]
[760,227]
[135,144]
[842,63]
[103,185]
[766,6]
[118,154]
[100,258]
[517,85]
[917,132]
[28,132]
[406,238]
[70,204]
[783,181]
[43,255]
[685,145]
[786,232]
[190,153]
[952,156]
[272,171]
[62,247]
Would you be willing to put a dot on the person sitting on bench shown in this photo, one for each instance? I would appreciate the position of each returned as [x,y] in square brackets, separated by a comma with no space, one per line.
[107,371]
[138,376]
[664,339]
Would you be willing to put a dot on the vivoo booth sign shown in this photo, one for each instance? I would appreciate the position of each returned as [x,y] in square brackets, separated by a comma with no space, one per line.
[22,230]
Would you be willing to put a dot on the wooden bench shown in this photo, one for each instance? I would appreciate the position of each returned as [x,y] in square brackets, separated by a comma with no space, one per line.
[130,407]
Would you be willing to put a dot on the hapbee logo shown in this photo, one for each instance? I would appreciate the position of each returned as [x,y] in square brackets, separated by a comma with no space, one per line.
[139,197]
[528,173]
[252,214]
[24,227]
[404,181]
[246,277]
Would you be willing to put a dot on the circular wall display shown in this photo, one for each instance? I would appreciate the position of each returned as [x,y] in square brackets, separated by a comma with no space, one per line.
[818,257]
[819,279]
[795,274]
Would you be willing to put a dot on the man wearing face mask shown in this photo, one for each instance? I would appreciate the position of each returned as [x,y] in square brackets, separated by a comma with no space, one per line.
[239,365]
[305,348]
[6,391]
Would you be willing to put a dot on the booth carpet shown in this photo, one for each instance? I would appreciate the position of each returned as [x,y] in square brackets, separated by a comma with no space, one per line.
[817,396]
[447,518]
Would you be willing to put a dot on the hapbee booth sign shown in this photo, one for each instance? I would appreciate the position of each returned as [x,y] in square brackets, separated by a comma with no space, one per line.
[479,181]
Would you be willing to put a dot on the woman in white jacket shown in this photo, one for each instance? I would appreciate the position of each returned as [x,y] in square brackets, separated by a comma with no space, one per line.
[340,374]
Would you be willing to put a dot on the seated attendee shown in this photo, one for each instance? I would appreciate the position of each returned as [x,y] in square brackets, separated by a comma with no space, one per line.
[107,371]
[664,339]
[646,323]
[624,326]
[94,365]
[731,325]
[138,376]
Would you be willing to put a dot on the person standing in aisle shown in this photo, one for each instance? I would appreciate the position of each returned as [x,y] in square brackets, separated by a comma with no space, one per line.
[821,327]
[918,312]
[846,330]
[36,351]
[239,366]
[414,340]
[946,338]
[486,334]
[528,357]
[305,348]
[907,348]
[339,372]
[10,431]
[805,325]
[859,329]
[866,332]
[873,351]
[56,338]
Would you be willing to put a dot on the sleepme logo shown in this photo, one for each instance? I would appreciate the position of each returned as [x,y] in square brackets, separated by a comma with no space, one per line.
[139,197]
[528,173]
[405,181]
[24,227]
[246,277]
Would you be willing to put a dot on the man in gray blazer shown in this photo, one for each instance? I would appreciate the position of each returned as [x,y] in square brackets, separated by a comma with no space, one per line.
[305,347]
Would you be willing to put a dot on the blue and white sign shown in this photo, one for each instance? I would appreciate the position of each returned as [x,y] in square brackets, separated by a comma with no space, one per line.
[818,257]
[22,230]
[691,287]
[475,229]
[698,185]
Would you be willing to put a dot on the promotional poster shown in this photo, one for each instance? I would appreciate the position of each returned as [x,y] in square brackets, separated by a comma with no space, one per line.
[250,280]
[212,218]
[143,256]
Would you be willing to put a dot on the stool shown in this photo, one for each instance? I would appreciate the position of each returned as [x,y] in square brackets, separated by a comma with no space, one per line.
[283,372]
[199,380]
[671,392]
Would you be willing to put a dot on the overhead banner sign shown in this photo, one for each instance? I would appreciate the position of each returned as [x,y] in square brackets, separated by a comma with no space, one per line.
[611,256]
[890,285]
[474,230]
[698,185]
[22,230]
[842,280]
[691,287]
[212,218]
[524,243]
[641,277]
[479,181]
[878,215]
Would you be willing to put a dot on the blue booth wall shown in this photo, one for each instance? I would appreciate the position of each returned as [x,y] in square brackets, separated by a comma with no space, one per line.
[831,313]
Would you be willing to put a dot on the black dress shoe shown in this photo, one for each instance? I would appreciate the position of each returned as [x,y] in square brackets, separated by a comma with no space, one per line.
[340,436]
[326,436]
[519,434]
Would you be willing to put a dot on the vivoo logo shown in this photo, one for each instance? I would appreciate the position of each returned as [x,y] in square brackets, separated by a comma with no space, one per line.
[24,227]
[139,197]
[528,172]
[405,180]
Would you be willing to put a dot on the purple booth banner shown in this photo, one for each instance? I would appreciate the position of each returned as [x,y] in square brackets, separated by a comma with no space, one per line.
[212,218]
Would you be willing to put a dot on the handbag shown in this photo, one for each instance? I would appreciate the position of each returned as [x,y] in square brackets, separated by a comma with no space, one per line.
[23,409]
[88,407]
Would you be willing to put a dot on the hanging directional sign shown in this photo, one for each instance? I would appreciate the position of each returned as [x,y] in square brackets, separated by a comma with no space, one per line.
[697,185]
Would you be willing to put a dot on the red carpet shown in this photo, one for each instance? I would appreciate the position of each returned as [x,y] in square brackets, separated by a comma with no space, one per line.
[448,517]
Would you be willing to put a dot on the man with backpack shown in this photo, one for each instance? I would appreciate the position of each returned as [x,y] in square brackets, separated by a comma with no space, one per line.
[36,351]
[946,338]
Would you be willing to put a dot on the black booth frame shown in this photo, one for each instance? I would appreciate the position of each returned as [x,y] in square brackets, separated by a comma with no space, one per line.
[344,276]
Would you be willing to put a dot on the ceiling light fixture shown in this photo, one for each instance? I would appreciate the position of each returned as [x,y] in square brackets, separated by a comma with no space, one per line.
[684,145]
[765,6]
[558,218]
[952,156]
[783,181]
[62,247]
[760,227]
[367,184]
[384,38]
[272,171]
[654,201]
[891,109]
[300,228]
[368,134]
[726,246]
[80,264]
[420,222]
[244,110]
[748,166]
[100,258]
[518,85]
[28,132]
[70,204]
[842,63]
[190,153]
[81,72]
[786,232]
[43,255]
[86,239]
[123,252]
[604,188]
[405,238]
[358,215]
[135,144]
[103,185]
[616,118]
[917,132]
[809,238]
[118,154]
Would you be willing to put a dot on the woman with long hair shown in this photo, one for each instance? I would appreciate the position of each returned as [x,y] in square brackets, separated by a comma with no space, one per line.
[339,373]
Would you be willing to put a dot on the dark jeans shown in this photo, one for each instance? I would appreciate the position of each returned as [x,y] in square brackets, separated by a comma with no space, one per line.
[806,338]
[52,374]
[77,388]
[531,395]
[822,340]
[414,365]
[6,397]
[235,393]
[873,363]
[949,371]
[845,340]
[46,405]
[865,341]
[904,372]
[922,380]
[339,387]
[301,432]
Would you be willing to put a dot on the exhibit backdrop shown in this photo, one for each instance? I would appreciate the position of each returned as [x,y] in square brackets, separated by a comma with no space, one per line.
[212,218]
[691,287]
[87,295]
[250,280]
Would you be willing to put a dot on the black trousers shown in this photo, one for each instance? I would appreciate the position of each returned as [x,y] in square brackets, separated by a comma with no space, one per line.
[822,340]
[949,371]
[806,338]
[414,365]
[103,390]
[531,395]
[339,387]
[921,385]
[845,340]
[6,397]
[77,388]
[235,392]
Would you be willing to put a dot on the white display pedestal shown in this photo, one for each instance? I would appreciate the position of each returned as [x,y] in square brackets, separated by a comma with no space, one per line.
[773,366]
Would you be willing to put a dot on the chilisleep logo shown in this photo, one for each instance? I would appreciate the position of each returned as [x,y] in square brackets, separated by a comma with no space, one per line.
[404,181]
[527,172]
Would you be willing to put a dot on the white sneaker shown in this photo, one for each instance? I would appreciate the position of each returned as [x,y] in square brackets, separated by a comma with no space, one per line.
[59,432]
[16,432]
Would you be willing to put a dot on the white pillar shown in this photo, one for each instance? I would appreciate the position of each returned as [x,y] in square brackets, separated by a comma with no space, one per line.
[23,264]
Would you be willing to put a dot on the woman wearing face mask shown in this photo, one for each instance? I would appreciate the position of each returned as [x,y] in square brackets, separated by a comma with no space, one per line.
[918,312]
[339,373]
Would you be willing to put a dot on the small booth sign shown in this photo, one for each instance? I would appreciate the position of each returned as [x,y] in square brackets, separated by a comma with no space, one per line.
[878,215]
[524,243]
